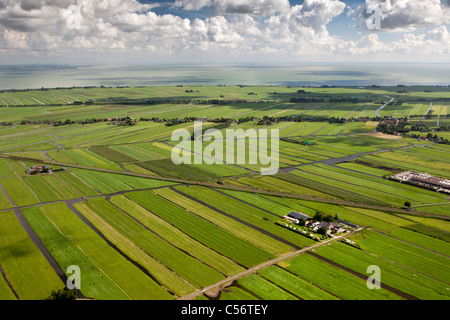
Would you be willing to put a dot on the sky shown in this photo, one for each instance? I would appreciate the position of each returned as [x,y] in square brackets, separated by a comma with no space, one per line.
[223,31]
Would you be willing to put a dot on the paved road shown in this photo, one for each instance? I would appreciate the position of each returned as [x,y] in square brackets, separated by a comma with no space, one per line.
[264,265]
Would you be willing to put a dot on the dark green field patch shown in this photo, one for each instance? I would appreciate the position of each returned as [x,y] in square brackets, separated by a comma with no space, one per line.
[112,154]
[430,231]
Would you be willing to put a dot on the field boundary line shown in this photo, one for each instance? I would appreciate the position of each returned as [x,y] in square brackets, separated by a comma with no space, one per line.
[410,243]
[3,273]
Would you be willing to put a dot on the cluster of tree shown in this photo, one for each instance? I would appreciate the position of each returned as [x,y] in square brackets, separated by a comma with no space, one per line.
[429,114]
[396,127]
[63,294]
[306,99]
[392,129]
[336,120]
[47,89]
[153,119]
[419,127]
[34,105]
[352,100]
[176,121]
[320,216]
[301,118]
[219,126]
[57,123]
[429,100]
[246,119]
[430,137]
[127,121]
[177,100]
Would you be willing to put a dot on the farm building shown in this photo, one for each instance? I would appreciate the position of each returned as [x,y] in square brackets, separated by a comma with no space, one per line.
[425,180]
[297,216]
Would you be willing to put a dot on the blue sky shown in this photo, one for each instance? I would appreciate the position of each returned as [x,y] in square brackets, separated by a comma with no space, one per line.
[122,31]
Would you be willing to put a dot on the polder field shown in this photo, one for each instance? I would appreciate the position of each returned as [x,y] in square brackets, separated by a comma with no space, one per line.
[141,227]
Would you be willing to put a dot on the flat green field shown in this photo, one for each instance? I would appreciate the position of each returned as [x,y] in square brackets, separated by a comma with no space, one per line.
[19,192]
[130,279]
[212,236]
[342,284]
[96,284]
[107,183]
[25,267]
[141,227]
[264,289]
[394,275]
[420,260]
[246,213]
[295,284]
[176,237]
[235,227]
[156,269]
[191,269]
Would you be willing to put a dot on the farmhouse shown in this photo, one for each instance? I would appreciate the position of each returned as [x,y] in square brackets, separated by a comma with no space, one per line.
[329,226]
[39,169]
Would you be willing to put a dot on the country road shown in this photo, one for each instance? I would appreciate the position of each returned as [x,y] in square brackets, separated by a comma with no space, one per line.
[383,106]
[228,187]
[265,265]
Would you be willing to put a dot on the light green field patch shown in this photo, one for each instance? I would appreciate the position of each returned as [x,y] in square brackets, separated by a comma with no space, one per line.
[29,273]
[19,192]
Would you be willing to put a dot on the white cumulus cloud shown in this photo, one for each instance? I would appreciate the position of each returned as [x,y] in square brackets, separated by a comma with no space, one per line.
[254,7]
